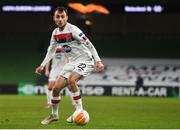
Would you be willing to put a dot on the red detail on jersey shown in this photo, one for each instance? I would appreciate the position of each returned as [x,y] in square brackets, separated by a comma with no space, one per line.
[77,97]
[55,101]
[59,49]
[63,36]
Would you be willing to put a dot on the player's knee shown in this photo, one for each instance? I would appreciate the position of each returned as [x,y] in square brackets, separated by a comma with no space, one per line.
[49,88]
[50,85]
[71,82]
[72,85]
[55,91]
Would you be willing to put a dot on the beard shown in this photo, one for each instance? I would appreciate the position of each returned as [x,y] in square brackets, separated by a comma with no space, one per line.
[61,26]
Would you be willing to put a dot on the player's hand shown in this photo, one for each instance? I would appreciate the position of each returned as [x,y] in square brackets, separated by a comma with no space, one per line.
[99,66]
[39,70]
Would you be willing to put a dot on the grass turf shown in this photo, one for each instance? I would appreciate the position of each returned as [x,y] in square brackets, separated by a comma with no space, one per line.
[105,112]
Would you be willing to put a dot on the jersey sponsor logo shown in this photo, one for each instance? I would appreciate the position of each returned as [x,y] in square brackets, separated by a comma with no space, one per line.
[66,48]
[58,55]
[65,37]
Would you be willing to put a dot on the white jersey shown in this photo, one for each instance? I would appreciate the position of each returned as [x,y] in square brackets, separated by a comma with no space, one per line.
[76,46]
[58,62]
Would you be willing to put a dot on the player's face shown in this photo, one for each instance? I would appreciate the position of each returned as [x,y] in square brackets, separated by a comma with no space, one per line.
[60,18]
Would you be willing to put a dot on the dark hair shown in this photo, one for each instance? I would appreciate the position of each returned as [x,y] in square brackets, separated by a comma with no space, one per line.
[61,9]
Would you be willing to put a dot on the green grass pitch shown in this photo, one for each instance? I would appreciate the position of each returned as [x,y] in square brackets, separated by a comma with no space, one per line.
[106,112]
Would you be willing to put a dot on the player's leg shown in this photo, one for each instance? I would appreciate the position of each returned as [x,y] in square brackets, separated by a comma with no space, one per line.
[82,69]
[72,81]
[75,93]
[72,100]
[70,118]
[51,82]
[49,93]
[59,85]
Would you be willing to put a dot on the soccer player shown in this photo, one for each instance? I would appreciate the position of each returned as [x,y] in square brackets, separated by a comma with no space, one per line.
[82,59]
[57,64]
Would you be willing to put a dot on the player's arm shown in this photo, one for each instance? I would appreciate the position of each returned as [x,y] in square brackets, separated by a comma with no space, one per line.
[99,64]
[49,55]
[80,36]
[47,68]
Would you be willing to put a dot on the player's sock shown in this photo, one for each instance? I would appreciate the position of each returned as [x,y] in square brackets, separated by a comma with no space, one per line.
[70,118]
[49,96]
[77,99]
[55,105]
[72,100]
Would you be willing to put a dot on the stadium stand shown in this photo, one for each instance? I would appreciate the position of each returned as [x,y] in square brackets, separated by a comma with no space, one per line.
[126,72]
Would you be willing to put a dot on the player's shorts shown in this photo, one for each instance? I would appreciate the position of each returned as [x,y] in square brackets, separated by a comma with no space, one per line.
[54,73]
[83,68]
